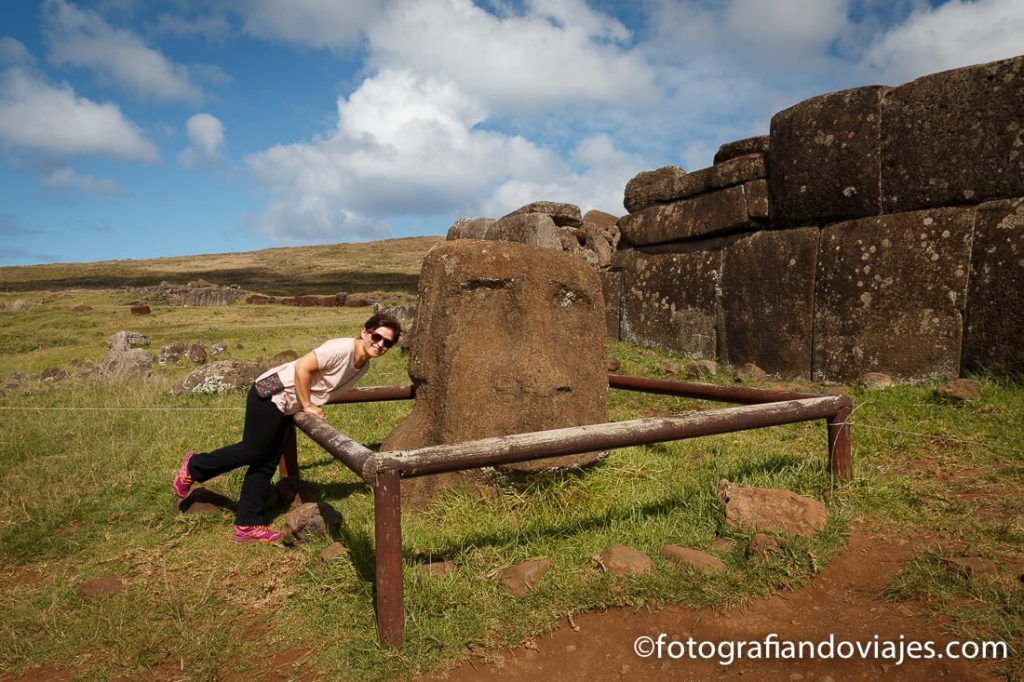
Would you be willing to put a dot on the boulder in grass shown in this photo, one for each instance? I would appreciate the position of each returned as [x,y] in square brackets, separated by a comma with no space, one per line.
[693,558]
[959,390]
[334,552]
[126,340]
[133,362]
[140,310]
[700,369]
[624,560]
[750,372]
[220,376]
[876,380]
[519,578]
[771,509]
[308,520]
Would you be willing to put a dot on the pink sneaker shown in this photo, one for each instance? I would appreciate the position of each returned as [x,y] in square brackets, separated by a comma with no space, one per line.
[183,480]
[256,534]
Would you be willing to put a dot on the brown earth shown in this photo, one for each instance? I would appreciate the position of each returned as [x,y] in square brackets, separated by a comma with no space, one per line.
[845,599]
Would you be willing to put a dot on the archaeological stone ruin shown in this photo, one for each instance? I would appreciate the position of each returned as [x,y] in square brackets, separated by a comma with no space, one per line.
[877,229]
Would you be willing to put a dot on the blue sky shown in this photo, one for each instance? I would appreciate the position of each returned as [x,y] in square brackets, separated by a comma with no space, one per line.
[132,129]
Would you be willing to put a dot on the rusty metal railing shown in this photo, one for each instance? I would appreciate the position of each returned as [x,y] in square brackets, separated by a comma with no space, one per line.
[385,470]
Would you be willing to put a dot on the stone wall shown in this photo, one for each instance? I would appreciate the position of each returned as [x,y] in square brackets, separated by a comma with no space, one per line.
[874,229]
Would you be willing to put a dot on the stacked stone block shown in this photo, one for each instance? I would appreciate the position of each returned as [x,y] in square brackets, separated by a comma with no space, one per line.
[853,238]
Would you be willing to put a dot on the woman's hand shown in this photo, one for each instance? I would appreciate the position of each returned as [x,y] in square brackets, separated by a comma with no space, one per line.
[314,410]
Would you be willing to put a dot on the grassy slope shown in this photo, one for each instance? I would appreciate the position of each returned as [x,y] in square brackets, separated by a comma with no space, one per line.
[85,492]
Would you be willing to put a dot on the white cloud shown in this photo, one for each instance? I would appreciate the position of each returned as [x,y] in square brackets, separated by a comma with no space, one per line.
[951,35]
[65,178]
[81,38]
[37,116]
[564,55]
[315,23]
[409,145]
[13,52]
[206,138]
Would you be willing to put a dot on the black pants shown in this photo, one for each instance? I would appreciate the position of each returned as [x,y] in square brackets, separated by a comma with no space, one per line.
[260,448]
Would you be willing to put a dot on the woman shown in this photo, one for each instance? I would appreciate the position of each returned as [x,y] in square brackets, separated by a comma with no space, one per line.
[302,385]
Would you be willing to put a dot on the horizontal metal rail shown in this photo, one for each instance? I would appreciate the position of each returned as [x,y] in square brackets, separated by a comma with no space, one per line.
[689,389]
[567,441]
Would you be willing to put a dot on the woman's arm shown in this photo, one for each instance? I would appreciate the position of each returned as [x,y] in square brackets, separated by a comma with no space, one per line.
[304,368]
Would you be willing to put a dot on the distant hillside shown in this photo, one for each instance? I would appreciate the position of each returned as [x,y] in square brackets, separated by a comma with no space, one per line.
[388,265]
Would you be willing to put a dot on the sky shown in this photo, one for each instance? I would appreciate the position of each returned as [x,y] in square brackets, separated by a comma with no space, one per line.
[141,129]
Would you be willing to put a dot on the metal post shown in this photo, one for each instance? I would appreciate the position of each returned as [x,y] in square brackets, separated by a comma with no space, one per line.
[289,464]
[840,450]
[387,518]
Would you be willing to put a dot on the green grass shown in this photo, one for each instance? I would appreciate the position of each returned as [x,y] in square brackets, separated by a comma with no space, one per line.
[85,492]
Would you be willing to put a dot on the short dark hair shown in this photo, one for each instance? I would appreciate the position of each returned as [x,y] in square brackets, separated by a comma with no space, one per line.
[385,320]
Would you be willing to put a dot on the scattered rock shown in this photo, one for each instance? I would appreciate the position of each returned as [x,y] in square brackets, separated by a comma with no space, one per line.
[257,299]
[201,501]
[194,352]
[239,346]
[876,380]
[217,347]
[103,586]
[220,376]
[125,340]
[519,578]
[133,362]
[624,560]
[725,545]
[333,552]
[668,366]
[283,357]
[702,561]
[81,309]
[16,380]
[960,390]
[140,310]
[170,353]
[770,509]
[762,545]
[750,373]
[53,374]
[309,519]
[700,369]
[439,568]
[969,567]
[613,364]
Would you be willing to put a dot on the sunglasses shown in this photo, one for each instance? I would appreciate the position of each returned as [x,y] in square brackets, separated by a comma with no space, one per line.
[380,338]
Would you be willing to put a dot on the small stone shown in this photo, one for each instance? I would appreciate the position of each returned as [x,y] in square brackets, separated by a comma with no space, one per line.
[771,509]
[876,380]
[53,374]
[749,373]
[969,567]
[762,546]
[140,310]
[702,368]
[194,352]
[668,366]
[333,552]
[702,561]
[959,390]
[625,560]
[613,365]
[725,545]
[81,309]
[439,568]
[519,578]
[312,518]
[103,586]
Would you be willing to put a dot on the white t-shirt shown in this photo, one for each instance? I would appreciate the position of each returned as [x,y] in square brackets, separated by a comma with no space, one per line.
[336,375]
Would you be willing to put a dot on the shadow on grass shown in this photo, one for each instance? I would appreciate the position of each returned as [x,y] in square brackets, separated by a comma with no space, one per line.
[262,280]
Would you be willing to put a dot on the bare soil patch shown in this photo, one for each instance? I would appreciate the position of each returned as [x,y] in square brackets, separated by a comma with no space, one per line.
[845,599]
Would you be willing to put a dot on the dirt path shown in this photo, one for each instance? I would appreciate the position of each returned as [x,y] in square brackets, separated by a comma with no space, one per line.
[844,599]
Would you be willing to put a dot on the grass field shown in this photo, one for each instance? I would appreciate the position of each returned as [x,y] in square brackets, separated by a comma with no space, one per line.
[85,492]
